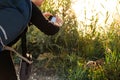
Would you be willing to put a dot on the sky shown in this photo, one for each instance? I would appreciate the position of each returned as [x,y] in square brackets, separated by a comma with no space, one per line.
[106,11]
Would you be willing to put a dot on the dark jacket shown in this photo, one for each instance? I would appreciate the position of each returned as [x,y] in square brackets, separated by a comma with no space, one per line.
[39,21]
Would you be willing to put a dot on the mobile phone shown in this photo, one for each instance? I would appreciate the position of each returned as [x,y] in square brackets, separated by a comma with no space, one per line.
[52,19]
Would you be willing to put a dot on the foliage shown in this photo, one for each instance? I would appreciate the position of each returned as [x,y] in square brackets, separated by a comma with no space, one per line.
[73,47]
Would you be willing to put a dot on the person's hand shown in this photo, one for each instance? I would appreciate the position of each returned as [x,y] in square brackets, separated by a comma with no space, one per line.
[59,21]
[47,14]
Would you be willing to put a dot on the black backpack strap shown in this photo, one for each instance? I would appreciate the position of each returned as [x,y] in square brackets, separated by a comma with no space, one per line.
[25,69]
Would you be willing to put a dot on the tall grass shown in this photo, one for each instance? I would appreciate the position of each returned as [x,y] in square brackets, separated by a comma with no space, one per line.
[73,48]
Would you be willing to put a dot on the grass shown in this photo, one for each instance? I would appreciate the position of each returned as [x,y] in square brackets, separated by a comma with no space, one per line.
[74,51]
[73,48]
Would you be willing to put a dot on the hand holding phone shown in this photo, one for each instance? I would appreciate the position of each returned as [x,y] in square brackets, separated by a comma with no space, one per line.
[56,20]
[52,19]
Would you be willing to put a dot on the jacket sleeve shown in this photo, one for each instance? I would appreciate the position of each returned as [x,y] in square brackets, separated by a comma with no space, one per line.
[41,23]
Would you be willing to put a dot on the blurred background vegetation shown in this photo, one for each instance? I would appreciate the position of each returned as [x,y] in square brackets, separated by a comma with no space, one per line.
[70,49]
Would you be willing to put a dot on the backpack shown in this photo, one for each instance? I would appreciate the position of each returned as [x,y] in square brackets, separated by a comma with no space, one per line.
[14,17]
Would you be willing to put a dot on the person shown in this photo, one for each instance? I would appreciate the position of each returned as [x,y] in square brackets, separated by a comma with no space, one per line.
[38,2]
[14,18]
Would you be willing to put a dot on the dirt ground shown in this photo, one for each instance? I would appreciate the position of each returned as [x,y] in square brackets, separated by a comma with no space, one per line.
[43,74]
[40,73]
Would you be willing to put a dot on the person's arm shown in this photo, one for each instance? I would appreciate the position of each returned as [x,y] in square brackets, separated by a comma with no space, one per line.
[40,22]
